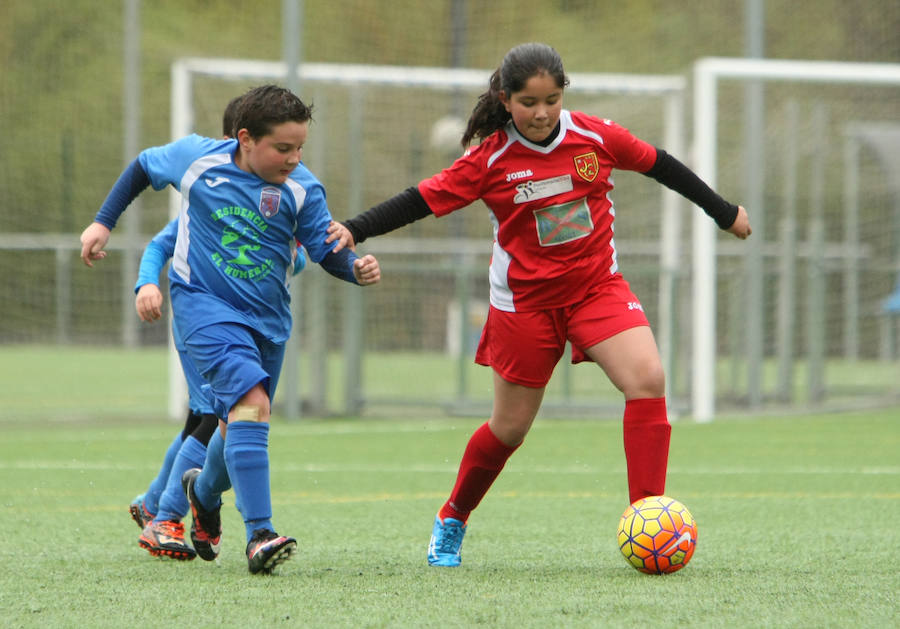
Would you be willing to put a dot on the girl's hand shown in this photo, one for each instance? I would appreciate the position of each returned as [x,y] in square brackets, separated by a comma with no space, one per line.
[342,235]
[741,225]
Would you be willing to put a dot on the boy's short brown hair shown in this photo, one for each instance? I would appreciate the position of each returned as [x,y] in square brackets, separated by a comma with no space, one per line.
[263,107]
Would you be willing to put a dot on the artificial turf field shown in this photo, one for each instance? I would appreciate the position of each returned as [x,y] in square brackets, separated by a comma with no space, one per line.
[798,527]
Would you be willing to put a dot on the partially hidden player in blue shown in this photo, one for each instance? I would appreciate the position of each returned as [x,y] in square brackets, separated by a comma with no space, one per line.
[160,509]
[244,202]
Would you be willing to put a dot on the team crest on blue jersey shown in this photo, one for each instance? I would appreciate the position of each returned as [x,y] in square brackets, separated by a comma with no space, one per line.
[269,200]
[587,166]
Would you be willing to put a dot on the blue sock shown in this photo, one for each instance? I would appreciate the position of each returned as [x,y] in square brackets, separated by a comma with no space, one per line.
[158,486]
[247,458]
[173,504]
[213,479]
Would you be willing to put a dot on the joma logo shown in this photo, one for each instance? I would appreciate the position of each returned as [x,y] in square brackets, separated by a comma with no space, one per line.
[519,174]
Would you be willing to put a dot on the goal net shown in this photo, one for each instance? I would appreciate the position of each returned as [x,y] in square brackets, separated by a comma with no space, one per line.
[379,129]
[806,312]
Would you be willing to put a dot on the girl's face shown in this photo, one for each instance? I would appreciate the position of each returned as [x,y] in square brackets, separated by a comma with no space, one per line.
[535,108]
[273,157]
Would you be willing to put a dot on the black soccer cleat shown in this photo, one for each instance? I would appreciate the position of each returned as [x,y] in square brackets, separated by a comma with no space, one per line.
[266,550]
[206,528]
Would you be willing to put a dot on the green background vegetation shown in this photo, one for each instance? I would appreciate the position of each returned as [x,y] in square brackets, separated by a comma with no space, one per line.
[61,86]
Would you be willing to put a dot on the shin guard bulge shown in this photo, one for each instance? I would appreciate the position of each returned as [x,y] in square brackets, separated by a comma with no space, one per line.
[646,433]
[483,459]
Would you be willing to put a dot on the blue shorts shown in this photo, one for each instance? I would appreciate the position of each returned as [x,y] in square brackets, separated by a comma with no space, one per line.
[232,359]
[199,399]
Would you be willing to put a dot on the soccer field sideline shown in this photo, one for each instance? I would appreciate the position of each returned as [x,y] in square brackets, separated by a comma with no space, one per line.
[325,468]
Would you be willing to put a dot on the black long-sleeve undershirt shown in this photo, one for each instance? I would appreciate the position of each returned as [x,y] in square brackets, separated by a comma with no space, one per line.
[673,174]
[401,209]
[409,206]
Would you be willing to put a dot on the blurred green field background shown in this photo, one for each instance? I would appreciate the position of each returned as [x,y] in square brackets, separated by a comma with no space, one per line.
[68,383]
[797,519]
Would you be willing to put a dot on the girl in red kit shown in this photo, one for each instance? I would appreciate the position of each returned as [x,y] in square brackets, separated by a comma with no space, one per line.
[544,173]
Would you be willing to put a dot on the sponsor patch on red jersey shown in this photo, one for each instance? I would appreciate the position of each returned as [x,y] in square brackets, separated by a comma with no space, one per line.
[587,166]
[563,223]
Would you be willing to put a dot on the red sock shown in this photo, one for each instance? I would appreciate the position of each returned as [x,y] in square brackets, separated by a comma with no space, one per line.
[481,463]
[646,430]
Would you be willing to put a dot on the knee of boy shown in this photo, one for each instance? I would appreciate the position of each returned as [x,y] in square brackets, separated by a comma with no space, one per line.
[249,412]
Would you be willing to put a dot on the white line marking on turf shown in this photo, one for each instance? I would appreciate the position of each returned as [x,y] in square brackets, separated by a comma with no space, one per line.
[377,468]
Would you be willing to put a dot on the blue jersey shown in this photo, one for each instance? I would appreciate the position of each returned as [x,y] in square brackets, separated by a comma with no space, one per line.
[233,249]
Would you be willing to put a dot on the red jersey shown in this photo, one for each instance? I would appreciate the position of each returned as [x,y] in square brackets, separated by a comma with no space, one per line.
[550,206]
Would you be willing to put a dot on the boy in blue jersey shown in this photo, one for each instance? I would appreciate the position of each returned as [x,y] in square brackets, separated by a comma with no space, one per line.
[164,499]
[244,201]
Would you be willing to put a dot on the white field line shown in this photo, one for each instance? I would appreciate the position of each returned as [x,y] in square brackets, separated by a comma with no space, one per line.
[377,468]
[32,502]
[69,436]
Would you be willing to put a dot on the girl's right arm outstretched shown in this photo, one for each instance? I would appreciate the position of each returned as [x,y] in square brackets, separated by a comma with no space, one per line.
[402,209]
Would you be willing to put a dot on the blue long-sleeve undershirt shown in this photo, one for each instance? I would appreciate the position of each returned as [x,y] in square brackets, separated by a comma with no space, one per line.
[340,264]
[128,186]
[152,263]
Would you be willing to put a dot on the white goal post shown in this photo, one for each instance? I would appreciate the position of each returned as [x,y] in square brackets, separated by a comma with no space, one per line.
[671,89]
[708,73]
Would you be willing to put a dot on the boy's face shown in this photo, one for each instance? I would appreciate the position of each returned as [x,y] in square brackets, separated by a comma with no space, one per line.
[273,157]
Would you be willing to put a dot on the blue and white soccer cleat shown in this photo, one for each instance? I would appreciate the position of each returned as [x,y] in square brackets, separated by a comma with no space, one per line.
[446,542]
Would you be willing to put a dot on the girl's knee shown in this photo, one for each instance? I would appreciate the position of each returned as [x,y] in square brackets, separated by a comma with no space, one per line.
[648,382]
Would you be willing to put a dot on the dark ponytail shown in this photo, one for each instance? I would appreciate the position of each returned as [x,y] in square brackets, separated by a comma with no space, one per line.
[489,113]
[520,64]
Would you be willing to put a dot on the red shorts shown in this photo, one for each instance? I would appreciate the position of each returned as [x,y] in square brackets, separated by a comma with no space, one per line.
[524,347]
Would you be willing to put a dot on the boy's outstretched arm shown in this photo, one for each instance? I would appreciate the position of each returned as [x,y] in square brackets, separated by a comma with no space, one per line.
[130,184]
[347,266]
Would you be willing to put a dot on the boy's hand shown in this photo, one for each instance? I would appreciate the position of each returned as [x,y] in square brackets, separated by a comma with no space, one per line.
[93,239]
[339,233]
[366,270]
[148,303]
